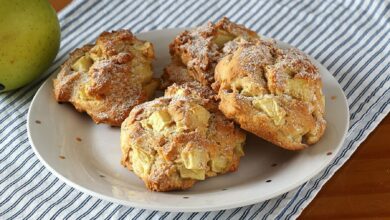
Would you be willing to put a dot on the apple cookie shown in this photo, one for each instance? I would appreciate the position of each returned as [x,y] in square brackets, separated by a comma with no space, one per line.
[196,52]
[178,139]
[273,93]
[109,78]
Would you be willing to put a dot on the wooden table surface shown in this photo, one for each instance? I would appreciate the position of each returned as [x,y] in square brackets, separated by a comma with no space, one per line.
[360,189]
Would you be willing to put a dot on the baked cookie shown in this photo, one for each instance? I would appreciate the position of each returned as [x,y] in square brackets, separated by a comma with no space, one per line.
[273,93]
[181,138]
[175,72]
[196,52]
[109,78]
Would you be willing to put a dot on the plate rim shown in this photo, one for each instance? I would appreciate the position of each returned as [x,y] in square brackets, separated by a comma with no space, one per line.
[215,207]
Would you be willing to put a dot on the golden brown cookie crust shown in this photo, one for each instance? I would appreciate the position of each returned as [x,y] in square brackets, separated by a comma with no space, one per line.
[273,93]
[175,72]
[176,140]
[200,49]
[109,78]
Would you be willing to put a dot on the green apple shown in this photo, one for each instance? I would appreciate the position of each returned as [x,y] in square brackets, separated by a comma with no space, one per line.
[29,41]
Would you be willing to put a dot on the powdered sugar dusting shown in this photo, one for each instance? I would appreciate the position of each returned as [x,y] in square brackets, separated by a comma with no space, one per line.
[109,88]
[255,57]
[199,47]
[199,50]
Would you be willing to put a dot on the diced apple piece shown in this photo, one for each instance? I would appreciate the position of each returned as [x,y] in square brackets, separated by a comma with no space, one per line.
[159,120]
[192,173]
[219,164]
[271,108]
[223,37]
[82,64]
[142,162]
[194,158]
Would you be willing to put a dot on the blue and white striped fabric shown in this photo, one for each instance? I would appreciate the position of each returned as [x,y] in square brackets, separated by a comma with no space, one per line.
[351,38]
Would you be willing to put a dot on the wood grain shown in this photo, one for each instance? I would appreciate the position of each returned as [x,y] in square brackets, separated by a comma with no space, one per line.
[360,189]
[59,4]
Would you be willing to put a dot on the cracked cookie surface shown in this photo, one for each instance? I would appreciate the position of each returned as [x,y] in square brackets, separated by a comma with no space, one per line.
[272,92]
[108,78]
[196,52]
[176,140]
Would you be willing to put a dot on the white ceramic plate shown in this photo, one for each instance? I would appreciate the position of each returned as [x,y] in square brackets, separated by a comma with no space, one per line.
[87,156]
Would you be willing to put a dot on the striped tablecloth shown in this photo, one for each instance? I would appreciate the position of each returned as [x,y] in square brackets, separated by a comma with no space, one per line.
[351,38]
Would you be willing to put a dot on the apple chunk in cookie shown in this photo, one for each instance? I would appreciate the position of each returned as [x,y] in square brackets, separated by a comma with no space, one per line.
[272,92]
[109,78]
[196,52]
[176,140]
